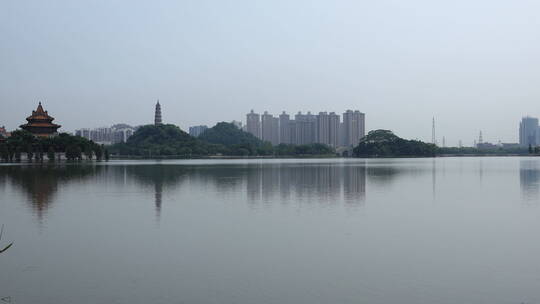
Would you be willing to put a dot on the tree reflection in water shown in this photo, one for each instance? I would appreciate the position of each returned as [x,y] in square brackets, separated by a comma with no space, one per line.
[328,183]
[40,182]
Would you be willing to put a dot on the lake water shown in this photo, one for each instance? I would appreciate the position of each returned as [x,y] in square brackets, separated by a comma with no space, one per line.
[446,230]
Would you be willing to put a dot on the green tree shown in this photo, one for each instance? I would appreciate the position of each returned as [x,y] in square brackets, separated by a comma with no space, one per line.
[4,152]
[228,134]
[88,152]
[29,151]
[50,154]
[18,152]
[98,151]
[71,152]
[384,143]
[530,149]
[107,154]
[150,141]
[39,152]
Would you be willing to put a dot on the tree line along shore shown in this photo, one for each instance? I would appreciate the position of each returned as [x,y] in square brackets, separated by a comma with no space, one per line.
[224,140]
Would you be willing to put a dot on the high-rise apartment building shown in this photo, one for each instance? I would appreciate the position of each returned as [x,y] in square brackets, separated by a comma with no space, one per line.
[195,131]
[333,130]
[107,135]
[529,131]
[306,128]
[270,128]
[354,124]
[253,124]
[284,128]
[328,129]
[275,131]
[323,128]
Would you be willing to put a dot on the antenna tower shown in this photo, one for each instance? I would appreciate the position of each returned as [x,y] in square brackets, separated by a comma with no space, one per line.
[480,139]
[433,132]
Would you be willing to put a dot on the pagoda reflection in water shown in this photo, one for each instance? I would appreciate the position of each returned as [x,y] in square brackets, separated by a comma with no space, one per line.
[284,183]
[41,182]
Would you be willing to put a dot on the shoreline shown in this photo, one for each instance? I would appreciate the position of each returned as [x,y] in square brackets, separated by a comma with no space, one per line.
[116,158]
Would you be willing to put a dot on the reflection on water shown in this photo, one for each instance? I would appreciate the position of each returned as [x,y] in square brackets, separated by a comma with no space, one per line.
[260,182]
[529,177]
[40,183]
[273,231]
[266,183]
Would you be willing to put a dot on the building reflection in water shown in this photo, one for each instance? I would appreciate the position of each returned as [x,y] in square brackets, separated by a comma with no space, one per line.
[307,182]
[287,182]
[40,182]
[157,177]
[263,182]
[529,178]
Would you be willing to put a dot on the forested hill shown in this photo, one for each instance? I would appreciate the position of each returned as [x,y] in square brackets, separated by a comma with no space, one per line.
[168,139]
[384,143]
[223,139]
[228,134]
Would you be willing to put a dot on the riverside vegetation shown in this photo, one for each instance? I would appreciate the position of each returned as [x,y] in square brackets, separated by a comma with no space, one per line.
[384,143]
[222,139]
[37,148]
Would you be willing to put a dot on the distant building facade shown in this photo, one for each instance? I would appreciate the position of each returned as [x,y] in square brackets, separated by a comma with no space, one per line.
[253,124]
[333,129]
[107,135]
[284,128]
[306,128]
[195,131]
[528,132]
[270,128]
[40,123]
[354,125]
[325,128]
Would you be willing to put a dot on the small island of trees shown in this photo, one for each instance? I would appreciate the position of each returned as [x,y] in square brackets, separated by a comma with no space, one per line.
[384,143]
[39,148]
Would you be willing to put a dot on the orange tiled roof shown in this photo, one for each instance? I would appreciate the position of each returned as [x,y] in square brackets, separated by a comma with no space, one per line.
[40,119]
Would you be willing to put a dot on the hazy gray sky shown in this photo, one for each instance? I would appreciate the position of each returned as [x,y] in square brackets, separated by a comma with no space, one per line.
[474,65]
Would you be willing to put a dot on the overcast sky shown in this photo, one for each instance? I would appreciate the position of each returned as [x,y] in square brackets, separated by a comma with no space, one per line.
[474,65]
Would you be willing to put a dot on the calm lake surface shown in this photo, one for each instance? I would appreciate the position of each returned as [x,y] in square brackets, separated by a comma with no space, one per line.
[446,230]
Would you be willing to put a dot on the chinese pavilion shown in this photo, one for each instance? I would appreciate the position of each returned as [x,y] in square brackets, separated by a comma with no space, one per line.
[40,123]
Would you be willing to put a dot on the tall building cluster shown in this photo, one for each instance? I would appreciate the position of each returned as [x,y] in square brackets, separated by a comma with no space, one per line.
[107,135]
[325,128]
[195,131]
[529,132]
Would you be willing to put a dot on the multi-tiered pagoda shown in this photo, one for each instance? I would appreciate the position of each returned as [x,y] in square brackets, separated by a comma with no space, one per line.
[40,123]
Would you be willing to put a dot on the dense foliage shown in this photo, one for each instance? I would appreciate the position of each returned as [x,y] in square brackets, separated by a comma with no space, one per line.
[228,134]
[162,140]
[223,139]
[36,148]
[384,143]
[485,151]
